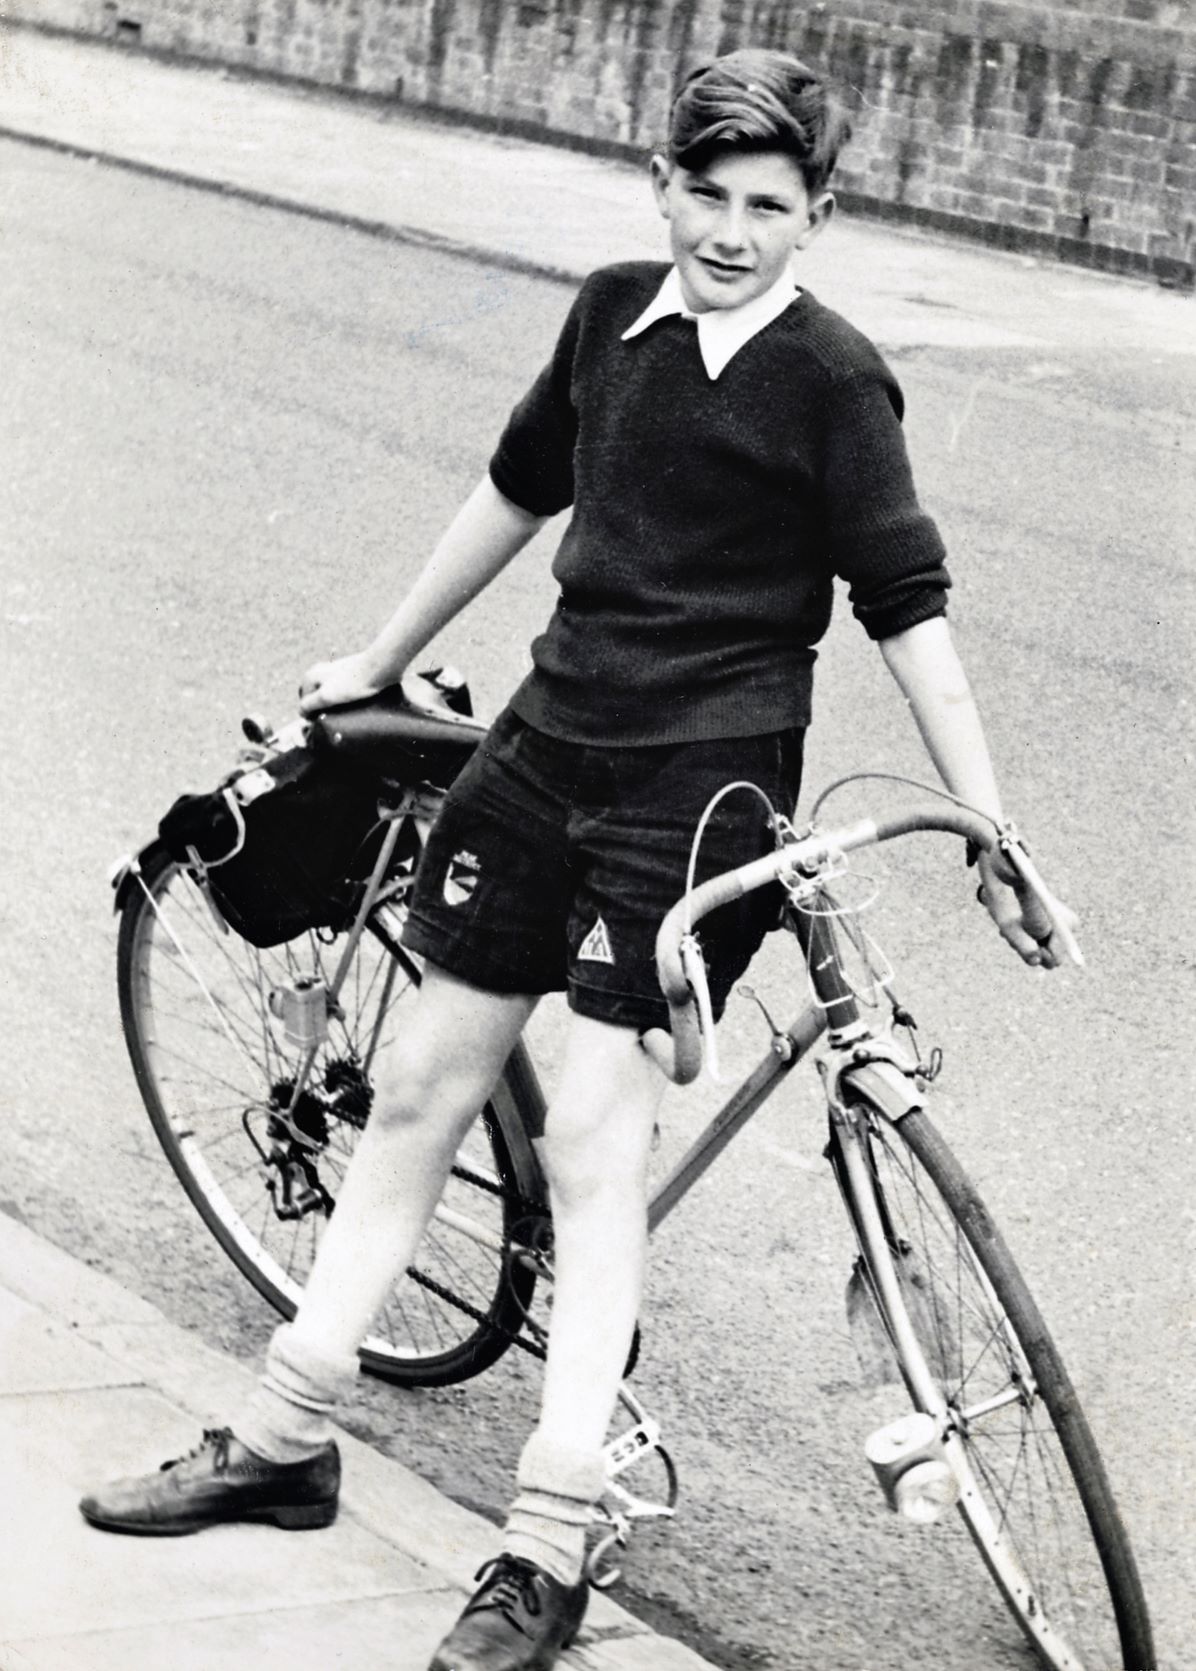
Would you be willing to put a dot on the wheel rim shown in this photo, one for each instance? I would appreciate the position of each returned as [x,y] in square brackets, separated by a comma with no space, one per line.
[1020,1498]
[215,1066]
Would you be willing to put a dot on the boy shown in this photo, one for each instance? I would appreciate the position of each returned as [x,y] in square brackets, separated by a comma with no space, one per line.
[727,445]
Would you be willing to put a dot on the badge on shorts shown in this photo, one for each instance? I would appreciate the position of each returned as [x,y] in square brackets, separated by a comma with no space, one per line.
[595,948]
[461,878]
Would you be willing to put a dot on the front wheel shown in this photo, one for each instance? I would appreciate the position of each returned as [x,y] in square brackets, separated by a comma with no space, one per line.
[217,1073]
[977,1355]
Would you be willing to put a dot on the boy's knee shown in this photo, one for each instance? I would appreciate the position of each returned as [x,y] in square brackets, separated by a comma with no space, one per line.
[584,1165]
[426,1087]
[598,1132]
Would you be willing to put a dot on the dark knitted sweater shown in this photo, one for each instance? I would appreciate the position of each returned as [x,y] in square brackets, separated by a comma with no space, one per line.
[709,518]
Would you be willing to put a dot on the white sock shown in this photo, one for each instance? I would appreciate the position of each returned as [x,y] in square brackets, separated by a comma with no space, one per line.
[287,1416]
[551,1515]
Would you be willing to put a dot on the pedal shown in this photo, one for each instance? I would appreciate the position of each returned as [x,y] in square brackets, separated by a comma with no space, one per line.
[620,1507]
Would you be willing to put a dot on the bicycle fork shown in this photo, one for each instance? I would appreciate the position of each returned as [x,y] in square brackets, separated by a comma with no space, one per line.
[917,1459]
[914,1458]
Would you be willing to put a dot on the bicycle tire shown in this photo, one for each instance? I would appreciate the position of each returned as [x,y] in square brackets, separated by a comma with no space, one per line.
[212,1065]
[1038,1504]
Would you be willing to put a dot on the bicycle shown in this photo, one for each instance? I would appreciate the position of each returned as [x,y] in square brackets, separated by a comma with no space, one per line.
[257,1071]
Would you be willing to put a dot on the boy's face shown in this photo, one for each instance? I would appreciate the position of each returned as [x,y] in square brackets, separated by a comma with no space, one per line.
[734,225]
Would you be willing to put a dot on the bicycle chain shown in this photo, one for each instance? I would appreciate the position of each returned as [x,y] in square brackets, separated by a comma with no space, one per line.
[526,1207]
[472,1311]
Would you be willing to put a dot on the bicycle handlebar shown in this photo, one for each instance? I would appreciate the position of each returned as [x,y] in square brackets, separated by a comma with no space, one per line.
[677,950]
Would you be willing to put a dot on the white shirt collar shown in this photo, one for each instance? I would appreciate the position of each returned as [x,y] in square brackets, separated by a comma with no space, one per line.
[722,332]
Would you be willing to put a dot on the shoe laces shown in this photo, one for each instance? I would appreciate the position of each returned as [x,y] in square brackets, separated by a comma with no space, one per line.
[508,1586]
[215,1439]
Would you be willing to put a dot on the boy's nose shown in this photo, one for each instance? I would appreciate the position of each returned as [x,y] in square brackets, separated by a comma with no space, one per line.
[730,233]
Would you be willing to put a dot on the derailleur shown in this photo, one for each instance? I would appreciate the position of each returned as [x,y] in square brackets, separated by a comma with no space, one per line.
[296,1134]
[297,1131]
[295,1186]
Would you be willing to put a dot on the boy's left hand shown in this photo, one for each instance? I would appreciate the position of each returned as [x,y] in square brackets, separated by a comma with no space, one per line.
[997,896]
[333,684]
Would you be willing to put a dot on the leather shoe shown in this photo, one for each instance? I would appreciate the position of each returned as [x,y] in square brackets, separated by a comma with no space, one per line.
[519,1619]
[220,1480]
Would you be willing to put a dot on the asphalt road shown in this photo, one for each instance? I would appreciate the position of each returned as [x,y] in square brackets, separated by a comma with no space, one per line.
[228,437]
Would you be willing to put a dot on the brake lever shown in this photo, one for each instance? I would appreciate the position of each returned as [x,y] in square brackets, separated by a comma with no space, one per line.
[1014,850]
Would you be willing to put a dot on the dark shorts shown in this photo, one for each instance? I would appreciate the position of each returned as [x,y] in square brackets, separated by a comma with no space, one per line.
[552,864]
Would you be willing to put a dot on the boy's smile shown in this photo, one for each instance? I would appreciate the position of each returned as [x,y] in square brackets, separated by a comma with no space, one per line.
[734,224]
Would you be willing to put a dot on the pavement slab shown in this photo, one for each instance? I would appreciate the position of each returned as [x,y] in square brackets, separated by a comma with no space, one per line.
[96,1383]
[399,1632]
[37,1356]
[62,1577]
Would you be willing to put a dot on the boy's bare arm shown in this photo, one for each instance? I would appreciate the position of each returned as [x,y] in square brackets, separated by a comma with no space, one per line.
[478,544]
[925,664]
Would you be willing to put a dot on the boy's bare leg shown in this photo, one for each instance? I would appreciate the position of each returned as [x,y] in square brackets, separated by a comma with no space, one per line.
[278,1463]
[597,1140]
[443,1068]
[596,1145]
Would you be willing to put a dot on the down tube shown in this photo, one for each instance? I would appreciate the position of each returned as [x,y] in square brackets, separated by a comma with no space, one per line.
[736,1112]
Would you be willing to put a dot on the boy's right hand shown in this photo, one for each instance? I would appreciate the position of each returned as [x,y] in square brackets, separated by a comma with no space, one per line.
[998,894]
[331,684]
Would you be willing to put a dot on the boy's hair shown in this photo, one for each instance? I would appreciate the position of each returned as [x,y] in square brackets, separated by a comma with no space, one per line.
[759,100]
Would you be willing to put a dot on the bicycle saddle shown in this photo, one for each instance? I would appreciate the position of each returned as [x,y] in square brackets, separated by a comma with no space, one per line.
[397,738]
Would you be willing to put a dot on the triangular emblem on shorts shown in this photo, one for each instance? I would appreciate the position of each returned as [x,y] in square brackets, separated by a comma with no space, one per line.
[595,948]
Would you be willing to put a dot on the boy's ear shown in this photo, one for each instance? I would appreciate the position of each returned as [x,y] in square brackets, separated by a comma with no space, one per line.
[821,210]
[661,170]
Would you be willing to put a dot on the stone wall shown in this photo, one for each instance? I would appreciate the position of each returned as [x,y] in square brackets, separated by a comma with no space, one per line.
[1067,126]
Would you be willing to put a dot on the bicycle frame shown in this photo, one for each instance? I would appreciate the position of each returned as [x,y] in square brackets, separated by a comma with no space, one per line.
[832,997]
[788,1049]
[856,1053]
[852,1047]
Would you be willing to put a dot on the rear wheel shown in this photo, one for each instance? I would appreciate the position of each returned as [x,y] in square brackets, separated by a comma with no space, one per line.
[217,1072]
[1035,1495]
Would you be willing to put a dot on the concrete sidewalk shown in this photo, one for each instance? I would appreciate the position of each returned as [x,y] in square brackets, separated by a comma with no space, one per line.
[534,207]
[92,1378]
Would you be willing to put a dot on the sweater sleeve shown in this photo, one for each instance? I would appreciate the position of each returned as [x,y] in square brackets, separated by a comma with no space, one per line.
[533,463]
[881,541]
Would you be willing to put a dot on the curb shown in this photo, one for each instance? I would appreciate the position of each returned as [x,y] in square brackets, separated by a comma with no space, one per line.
[381,1496]
[992,234]
[394,232]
